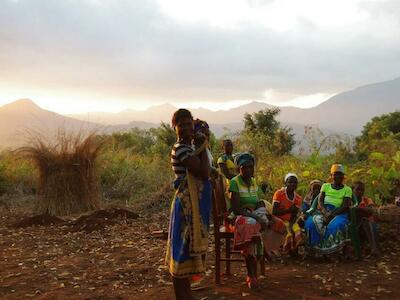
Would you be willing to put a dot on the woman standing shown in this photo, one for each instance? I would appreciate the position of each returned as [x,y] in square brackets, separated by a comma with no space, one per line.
[327,231]
[190,208]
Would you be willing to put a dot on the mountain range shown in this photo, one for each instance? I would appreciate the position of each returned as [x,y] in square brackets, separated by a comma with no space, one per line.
[345,112]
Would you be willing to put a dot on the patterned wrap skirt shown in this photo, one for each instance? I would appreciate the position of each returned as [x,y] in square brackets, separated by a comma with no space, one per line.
[327,239]
[188,228]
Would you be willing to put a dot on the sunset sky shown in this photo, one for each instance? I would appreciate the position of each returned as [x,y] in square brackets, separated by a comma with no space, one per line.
[75,56]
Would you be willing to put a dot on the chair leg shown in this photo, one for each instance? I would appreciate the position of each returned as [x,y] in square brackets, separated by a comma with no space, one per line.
[217,260]
[228,255]
[256,266]
[355,239]
[262,266]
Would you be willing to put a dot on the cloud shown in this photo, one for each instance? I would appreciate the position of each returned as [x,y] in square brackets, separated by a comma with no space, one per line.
[218,51]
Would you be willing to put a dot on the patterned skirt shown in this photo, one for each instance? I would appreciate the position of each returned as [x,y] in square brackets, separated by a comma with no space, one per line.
[188,228]
[327,239]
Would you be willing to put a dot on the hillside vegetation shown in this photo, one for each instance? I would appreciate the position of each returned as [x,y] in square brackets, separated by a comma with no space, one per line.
[133,166]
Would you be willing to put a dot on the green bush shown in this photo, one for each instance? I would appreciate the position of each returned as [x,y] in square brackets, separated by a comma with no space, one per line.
[17,175]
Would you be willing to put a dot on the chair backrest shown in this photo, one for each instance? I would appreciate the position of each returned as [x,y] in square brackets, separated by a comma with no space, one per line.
[219,203]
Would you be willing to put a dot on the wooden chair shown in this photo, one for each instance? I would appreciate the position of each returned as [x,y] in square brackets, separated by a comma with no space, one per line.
[221,234]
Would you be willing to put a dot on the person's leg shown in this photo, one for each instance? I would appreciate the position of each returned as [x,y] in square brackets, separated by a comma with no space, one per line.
[182,288]
[251,264]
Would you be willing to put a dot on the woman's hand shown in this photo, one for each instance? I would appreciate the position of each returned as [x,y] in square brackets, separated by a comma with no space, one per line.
[328,218]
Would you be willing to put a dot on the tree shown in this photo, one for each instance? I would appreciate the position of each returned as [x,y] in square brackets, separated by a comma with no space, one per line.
[165,137]
[262,130]
[341,145]
[381,134]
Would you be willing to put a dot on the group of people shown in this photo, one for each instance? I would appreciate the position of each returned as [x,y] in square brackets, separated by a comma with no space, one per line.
[262,229]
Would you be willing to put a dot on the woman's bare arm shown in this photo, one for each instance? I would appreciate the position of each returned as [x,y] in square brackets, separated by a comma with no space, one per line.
[344,208]
[198,165]
[276,211]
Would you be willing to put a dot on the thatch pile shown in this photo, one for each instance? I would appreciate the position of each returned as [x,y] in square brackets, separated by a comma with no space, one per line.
[68,182]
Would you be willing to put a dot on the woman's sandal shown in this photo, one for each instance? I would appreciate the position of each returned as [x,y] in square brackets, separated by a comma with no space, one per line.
[252,283]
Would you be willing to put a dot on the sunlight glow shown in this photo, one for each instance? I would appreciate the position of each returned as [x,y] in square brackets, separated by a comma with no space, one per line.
[303,101]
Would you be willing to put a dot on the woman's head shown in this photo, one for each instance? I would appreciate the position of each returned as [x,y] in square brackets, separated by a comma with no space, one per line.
[315,187]
[182,121]
[227,146]
[291,182]
[245,163]
[358,189]
[337,174]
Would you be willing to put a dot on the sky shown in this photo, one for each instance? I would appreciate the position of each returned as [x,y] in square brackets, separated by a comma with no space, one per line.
[74,56]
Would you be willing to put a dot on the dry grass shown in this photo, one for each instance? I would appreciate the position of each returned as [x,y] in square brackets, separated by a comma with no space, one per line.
[68,182]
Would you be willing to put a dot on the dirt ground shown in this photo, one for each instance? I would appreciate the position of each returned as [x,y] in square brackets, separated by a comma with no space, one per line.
[123,260]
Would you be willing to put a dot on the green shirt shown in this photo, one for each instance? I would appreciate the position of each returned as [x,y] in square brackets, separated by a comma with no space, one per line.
[249,195]
[335,197]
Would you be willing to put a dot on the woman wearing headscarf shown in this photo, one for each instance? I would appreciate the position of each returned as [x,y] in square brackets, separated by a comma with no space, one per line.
[286,205]
[190,209]
[245,198]
[327,231]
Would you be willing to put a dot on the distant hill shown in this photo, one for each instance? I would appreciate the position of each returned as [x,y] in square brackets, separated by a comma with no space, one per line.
[345,112]
[23,117]
[349,111]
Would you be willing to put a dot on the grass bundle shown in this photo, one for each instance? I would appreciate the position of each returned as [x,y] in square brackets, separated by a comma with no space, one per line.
[67,182]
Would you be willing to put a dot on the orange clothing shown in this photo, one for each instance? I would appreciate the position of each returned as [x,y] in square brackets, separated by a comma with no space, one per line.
[281,197]
[365,202]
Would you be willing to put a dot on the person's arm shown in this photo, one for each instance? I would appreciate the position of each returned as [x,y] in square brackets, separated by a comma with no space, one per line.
[276,211]
[198,165]
[239,210]
[344,208]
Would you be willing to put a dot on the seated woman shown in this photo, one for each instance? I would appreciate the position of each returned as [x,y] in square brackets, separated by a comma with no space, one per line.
[327,231]
[226,162]
[244,195]
[365,219]
[286,205]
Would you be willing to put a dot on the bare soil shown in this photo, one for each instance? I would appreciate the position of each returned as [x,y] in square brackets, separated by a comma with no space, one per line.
[121,259]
